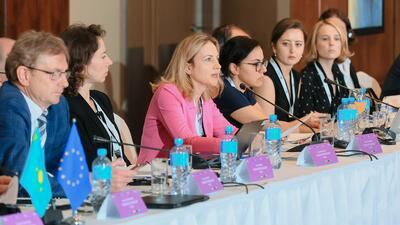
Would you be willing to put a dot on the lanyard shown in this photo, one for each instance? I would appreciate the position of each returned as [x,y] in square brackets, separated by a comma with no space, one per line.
[116,148]
[284,85]
[324,84]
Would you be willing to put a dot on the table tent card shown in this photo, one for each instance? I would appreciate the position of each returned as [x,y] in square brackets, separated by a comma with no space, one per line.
[365,142]
[204,182]
[122,204]
[317,155]
[254,169]
[25,218]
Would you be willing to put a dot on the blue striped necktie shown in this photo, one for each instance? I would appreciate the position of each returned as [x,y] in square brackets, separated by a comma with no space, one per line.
[42,122]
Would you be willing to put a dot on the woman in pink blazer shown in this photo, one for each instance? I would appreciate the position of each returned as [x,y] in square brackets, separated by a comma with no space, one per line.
[182,106]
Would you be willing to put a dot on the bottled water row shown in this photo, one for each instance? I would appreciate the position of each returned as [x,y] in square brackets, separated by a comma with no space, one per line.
[181,164]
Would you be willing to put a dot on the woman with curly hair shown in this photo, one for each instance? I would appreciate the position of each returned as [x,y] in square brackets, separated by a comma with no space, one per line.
[89,65]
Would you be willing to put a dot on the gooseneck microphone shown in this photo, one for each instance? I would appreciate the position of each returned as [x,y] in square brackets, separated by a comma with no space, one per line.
[316,136]
[99,139]
[328,81]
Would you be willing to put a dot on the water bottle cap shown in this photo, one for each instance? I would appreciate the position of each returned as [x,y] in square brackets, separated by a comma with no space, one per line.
[228,129]
[273,118]
[178,141]
[101,152]
[351,100]
[345,100]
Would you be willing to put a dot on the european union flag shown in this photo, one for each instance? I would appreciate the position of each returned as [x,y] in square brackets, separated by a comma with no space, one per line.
[34,176]
[73,174]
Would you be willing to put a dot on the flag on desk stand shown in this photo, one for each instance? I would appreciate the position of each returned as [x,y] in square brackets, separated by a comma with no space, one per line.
[34,176]
[73,174]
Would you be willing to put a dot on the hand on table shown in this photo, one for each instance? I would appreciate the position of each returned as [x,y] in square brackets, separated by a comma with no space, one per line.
[4,182]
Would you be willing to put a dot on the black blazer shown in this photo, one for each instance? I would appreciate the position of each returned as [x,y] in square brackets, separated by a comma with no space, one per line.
[392,81]
[280,96]
[88,123]
[312,93]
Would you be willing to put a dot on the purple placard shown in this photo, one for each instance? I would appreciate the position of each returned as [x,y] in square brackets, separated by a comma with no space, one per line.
[259,168]
[369,143]
[322,154]
[26,218]
[206,181]
[128,203]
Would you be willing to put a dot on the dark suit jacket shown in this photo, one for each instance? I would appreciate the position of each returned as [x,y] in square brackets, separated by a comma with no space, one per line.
[88,123]
[392,82]
[15,133]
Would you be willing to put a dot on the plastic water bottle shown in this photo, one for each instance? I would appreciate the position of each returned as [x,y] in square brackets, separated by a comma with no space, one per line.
[228,154]
[101,178]
[273,141]
[354,116]
[362,98]
[180,169]
[344,118]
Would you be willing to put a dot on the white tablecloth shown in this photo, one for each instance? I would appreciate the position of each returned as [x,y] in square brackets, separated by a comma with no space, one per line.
[354,191]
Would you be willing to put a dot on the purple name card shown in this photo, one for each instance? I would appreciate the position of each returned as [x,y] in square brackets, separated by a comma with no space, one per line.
[26,218]
[206,181]
[368,143]
[259,168]
[322,154]
[128,203]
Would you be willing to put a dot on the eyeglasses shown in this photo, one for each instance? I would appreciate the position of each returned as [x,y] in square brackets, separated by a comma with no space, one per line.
[56,75]
[259,65]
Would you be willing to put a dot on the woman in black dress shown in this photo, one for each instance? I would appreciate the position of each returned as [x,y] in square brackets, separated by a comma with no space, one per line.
[89,65]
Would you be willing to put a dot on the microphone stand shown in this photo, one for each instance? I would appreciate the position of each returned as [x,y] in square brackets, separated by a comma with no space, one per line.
[315,136]
[105,140]
[328,81]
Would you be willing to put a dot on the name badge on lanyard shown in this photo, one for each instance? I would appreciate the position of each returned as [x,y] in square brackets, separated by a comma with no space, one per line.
[285,87]
[324,84]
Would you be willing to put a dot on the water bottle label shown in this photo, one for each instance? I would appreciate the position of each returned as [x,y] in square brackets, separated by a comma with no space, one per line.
[229,147]
[179,159]
[345,114]
[273,133]
[367,104]
[101,172]
[354,114]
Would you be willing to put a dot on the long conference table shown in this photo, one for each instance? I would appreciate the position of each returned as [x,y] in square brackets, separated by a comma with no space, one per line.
[353,191]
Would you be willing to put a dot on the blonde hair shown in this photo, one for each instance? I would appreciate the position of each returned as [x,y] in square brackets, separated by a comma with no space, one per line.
[184,53]
[311,51]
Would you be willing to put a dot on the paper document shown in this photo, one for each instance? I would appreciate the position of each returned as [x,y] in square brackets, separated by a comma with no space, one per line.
[293,128]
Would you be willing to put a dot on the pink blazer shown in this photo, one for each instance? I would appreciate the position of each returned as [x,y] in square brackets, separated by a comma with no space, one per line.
[170,116]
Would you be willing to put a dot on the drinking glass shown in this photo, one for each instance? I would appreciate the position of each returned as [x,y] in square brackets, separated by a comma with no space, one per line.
[159,171]
[327,129]
[257,144]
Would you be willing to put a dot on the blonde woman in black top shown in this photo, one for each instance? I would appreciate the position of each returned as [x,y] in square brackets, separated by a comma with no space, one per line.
[326,47]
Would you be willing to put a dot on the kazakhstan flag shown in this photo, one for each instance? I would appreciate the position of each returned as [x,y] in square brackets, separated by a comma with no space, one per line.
[34,176]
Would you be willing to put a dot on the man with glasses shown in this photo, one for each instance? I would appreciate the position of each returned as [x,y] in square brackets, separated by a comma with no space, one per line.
[37,74]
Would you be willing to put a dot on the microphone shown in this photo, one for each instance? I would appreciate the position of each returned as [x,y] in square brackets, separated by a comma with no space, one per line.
[328,81]
[315,136]
[99,139]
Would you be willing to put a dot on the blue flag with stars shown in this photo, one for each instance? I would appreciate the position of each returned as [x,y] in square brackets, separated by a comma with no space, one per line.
[34,176]
[73,174]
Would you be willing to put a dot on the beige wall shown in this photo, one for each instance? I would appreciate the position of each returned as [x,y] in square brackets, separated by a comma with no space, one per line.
[257,16]
[109,14]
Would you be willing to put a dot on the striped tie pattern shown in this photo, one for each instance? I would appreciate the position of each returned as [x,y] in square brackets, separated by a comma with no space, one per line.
[42,122]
